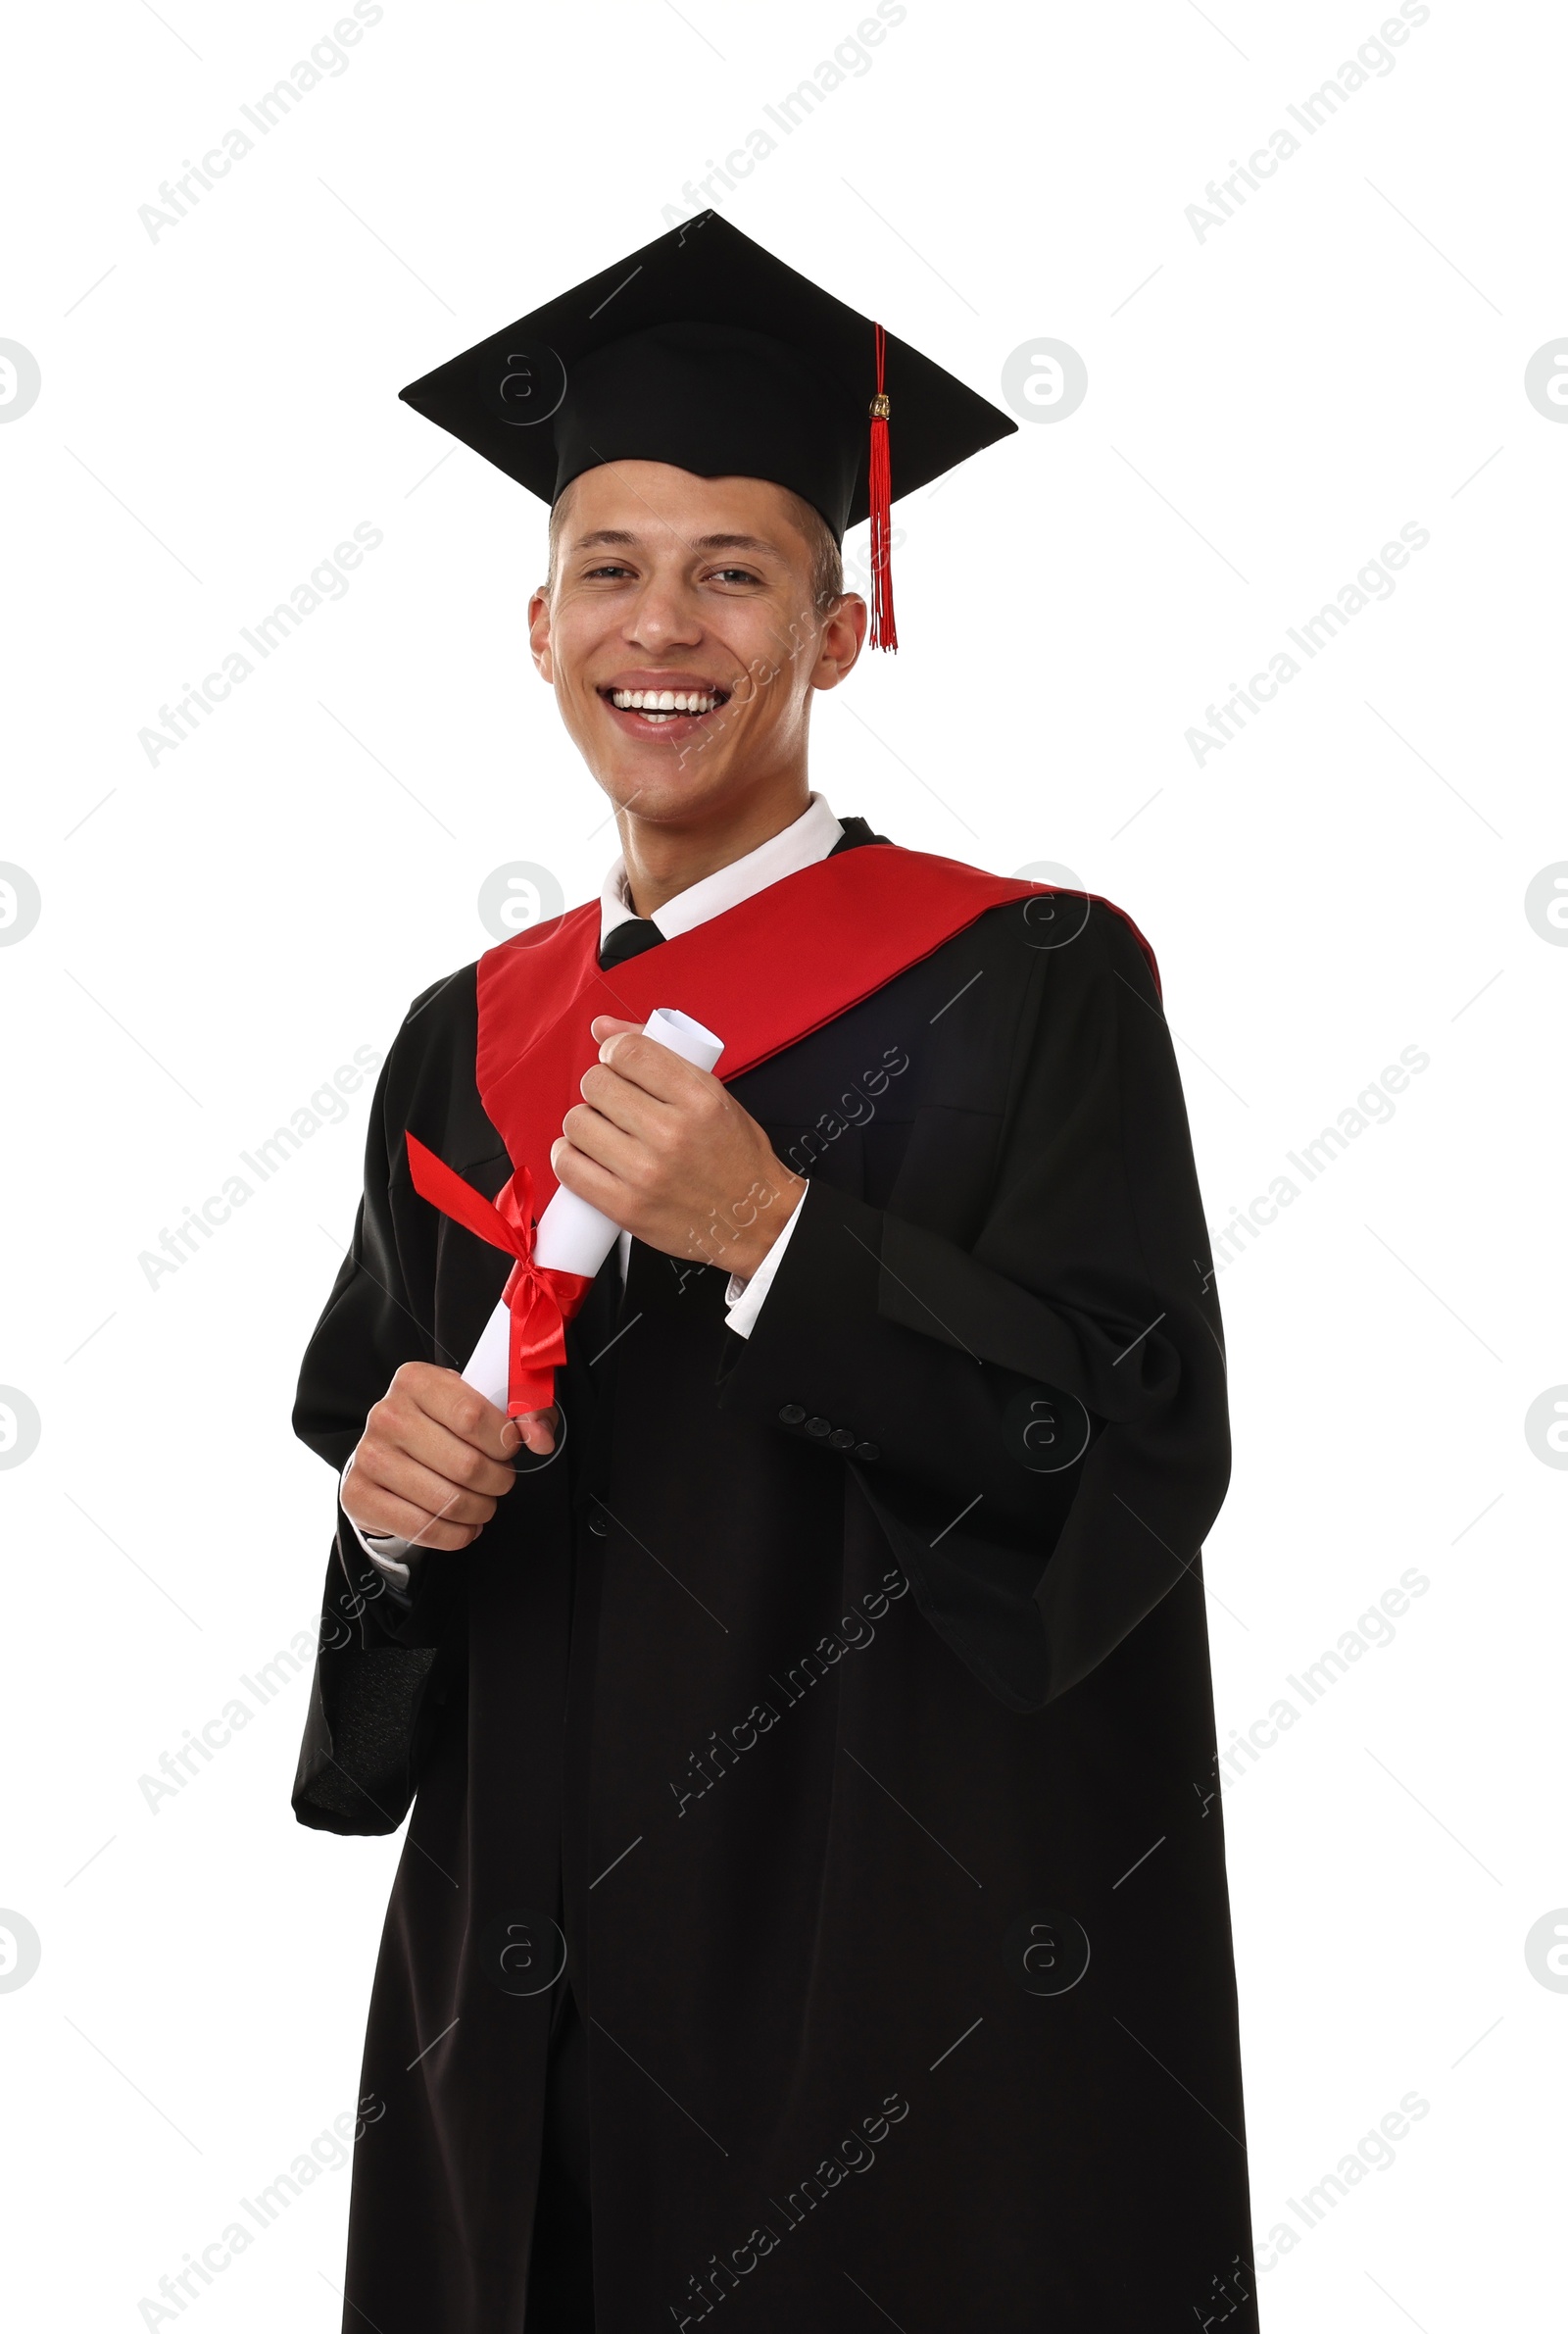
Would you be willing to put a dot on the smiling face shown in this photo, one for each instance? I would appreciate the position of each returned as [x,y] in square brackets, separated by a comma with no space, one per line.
[680,635]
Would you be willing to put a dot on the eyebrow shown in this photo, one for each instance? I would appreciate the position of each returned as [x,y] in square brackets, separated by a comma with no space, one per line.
[620,537]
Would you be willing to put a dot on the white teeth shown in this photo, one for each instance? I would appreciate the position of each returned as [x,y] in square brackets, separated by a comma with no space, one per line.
[657,702]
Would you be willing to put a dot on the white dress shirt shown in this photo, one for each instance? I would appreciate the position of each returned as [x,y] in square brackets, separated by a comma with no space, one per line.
[809,838]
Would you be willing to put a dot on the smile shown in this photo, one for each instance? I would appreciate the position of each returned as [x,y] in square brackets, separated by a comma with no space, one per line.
[659,706]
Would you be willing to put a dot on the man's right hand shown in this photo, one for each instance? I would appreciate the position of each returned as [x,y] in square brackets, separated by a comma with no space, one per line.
[434,1459]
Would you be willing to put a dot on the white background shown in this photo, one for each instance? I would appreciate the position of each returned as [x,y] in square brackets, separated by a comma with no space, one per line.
[1266,407]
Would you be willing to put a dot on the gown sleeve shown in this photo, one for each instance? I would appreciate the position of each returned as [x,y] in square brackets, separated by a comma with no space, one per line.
[384,1663]
[1082,1326]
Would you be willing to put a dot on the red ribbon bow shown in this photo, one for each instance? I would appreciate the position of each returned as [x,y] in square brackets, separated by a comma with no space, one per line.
[539,1300]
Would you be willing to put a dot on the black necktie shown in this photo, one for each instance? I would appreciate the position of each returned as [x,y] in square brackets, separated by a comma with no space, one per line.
[628,939]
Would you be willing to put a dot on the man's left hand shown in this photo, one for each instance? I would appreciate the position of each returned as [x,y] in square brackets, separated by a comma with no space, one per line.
[663,1150]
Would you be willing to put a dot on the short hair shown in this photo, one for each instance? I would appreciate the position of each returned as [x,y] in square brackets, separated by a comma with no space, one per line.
[827,559]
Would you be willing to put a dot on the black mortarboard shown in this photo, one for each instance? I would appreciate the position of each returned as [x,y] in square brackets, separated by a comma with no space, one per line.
[705,351]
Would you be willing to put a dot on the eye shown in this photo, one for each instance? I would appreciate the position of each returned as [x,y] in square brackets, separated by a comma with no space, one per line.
[611,570]
[733,576]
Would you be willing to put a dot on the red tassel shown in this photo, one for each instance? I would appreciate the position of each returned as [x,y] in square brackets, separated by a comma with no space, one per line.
[884,629]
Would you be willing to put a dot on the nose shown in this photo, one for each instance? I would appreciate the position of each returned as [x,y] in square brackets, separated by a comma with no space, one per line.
[664,615]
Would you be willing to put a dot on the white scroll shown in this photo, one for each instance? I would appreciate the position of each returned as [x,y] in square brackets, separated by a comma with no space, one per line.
[572,1236]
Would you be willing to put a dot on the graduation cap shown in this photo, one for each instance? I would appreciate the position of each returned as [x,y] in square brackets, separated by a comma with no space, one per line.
[705,351]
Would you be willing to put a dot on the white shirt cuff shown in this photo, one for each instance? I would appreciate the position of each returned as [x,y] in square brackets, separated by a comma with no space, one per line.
[385,1550]
[745,1298]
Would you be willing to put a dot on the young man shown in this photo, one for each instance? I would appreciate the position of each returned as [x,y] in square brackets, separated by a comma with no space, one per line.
[813,1902]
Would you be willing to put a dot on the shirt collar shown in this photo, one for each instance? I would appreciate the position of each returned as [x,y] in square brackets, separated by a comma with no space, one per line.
[811,838]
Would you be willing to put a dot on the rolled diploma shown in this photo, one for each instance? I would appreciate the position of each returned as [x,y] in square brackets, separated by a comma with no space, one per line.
[572,1236]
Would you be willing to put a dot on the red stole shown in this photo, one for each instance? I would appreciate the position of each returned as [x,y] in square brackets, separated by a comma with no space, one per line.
[762,975]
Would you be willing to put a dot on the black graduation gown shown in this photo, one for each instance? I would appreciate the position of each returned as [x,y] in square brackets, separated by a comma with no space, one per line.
[829,1714]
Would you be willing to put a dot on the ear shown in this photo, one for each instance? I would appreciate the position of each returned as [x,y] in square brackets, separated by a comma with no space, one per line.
[539,635]
[843,638]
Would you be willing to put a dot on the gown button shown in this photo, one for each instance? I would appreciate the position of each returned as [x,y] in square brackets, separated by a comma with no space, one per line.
[792,1415]
[817,1426]
[842,1438]
[598,1527]
[867,1451]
